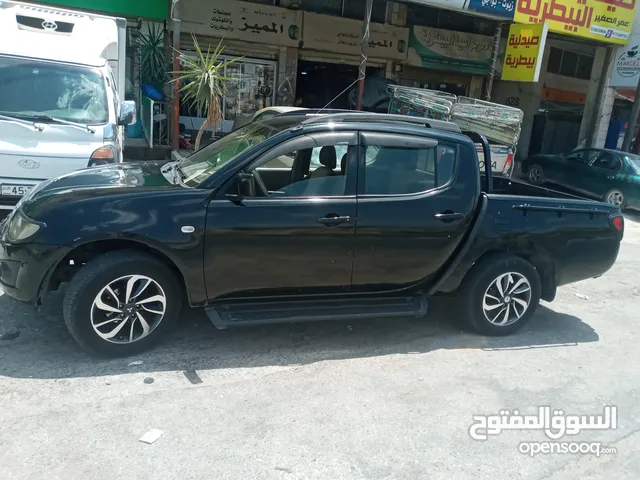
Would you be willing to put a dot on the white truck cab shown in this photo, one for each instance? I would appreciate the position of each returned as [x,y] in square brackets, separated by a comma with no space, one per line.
[62,78]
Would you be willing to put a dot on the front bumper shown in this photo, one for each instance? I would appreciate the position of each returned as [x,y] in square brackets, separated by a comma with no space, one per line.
[25,267]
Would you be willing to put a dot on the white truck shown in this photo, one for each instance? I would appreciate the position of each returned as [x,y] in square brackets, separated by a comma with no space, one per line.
[62,82]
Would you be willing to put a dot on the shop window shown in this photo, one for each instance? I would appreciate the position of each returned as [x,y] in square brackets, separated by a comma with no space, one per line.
[448,20]
[555,60]
[356,8]
[569,64]
[585,64]
[328,7]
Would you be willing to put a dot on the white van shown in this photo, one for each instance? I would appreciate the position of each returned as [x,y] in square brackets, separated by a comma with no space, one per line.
[62,79]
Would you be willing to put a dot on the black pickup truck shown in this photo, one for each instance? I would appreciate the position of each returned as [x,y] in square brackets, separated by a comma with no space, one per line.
[301,217]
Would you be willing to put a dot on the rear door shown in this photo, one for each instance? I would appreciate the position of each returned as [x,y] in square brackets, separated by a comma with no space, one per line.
[414,206]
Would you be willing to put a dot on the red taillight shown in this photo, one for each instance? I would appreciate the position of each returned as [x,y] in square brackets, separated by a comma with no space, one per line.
[508,165]
[618,222]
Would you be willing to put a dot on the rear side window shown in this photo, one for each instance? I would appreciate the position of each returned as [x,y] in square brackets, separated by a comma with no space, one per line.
[393,170]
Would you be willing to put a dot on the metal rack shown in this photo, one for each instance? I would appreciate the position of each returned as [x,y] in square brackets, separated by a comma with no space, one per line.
[420,102]
[496,122]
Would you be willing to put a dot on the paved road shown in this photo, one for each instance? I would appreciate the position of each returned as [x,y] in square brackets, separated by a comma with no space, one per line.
[374,400]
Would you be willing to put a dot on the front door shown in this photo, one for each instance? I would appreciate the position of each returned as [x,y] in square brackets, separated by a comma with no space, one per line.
[414,207]
[292,239]
[568,171]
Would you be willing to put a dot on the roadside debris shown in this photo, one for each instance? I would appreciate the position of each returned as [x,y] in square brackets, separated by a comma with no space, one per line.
[137,362]
[148,380]
[151,436]
[10,336]
[582,296]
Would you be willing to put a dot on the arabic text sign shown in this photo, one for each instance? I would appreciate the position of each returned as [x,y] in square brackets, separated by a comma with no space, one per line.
[242,21]
[343,35]
[626,67]
[449,50]
[495,8]
[555,423]
[603,20]
[525,48]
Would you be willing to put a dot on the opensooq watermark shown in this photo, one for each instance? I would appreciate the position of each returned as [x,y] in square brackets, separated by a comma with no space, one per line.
[554,423]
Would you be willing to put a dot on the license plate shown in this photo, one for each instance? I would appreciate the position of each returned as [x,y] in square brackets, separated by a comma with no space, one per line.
[15,190]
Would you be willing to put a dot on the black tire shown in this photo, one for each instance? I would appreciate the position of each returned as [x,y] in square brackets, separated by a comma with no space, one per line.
[479,281]
[535,175]
[616,193]
[96,275]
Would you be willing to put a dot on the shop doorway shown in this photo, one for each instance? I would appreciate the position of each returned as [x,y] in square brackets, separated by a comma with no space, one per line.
[319,83]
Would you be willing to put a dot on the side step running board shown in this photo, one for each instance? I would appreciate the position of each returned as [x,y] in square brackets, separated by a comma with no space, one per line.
[260,313]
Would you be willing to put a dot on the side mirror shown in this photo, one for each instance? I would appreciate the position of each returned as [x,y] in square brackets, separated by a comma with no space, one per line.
[127,113]
[246,187]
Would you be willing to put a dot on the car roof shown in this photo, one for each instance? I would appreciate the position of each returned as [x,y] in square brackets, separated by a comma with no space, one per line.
[350,120]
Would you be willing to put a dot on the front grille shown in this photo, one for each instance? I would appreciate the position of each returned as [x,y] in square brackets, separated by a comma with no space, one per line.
[8,201]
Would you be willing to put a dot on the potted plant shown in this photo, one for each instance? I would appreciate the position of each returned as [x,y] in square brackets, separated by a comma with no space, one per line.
[203,84]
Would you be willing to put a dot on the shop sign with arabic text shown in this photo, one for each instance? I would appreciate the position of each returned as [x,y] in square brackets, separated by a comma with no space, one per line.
[523,56]
[449,50]
[602,20]
[495,8]
[343,35]
[242,21]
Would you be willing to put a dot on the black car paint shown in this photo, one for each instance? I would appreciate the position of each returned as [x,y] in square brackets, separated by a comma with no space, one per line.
[258,248]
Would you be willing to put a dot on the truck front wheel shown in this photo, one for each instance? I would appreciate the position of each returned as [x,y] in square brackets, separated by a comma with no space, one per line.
[121,303]
[502,293]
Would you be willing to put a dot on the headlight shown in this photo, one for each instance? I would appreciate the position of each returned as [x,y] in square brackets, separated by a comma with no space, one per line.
[21,228]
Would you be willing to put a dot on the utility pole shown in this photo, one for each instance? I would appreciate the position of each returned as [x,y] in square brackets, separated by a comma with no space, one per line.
[175,120]
[364,46]
[494,58]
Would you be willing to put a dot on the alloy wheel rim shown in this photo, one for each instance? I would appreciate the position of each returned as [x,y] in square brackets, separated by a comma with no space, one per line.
[615,198]
[507,299]
[535,174]
[128,309]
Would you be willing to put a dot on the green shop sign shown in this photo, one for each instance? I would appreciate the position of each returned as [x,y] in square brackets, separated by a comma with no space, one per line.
[449,50]
[152,9]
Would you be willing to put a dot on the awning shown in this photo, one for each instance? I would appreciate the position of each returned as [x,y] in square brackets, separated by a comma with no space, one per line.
[626,94]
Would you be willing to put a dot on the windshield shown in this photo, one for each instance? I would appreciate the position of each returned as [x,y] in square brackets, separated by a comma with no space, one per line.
[634,161]
[36,88]
[208,160]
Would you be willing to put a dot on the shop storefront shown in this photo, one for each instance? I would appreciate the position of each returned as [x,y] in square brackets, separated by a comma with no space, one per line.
[449,61]
[259,34]
[330,54]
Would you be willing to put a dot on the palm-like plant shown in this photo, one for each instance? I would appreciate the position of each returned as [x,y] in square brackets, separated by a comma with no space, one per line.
[204,84]
[153,59]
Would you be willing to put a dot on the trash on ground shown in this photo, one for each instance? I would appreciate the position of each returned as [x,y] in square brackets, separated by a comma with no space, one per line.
[151,436]
[137,362]
[148,380]
[582,296]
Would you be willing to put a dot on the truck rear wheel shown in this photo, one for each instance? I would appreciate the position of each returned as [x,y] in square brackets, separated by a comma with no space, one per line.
[502,293]
[121,303]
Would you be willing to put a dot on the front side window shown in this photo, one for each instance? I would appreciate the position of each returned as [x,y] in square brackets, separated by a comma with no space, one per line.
[405,170]
[203,163]
[293,174]
[35,89]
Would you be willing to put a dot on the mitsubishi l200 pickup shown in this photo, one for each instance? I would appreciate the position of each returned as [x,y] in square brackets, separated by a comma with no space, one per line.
[250,230]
